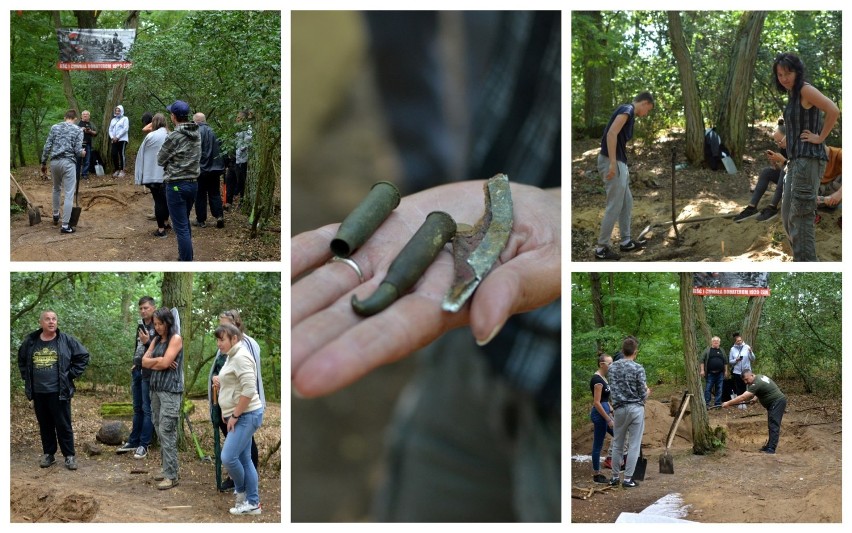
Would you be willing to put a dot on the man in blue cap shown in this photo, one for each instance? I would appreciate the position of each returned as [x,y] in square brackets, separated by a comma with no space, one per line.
[180,157]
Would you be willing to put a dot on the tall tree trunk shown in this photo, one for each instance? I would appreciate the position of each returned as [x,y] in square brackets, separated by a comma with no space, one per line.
[597,77]
[751,321]
[733,119]
[701,435]
[67,86]
[701,318]
[611,297]
[689,89]
[114,98]
[597,302]
[264,173]
[177,292]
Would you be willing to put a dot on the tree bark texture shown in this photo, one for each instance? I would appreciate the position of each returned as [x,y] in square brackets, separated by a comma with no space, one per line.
[701,318]
[751,321]
[701,435]
[597,302]
[733,118]
[689,89]
[597,76]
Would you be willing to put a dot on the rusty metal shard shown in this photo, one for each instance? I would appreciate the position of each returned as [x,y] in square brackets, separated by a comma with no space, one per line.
[475,251]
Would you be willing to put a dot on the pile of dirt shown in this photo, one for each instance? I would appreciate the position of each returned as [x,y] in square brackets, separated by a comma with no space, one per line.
[114,227]
[105,484]
[699,193]
[737,483]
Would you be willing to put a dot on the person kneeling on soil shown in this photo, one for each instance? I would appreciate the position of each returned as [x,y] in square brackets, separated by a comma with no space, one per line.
[770,397]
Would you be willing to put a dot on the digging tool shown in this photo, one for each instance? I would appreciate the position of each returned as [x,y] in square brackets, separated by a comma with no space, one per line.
[198,449]
[217,446]
[666,460]
[32,212]
[76,210]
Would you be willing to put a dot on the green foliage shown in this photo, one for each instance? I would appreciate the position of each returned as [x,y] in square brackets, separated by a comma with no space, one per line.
[638,49]
[100,309]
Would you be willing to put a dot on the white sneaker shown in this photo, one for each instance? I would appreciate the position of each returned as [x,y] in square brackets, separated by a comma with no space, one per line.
[246,508]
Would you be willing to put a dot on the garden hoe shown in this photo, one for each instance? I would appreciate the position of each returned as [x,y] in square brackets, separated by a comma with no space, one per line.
[666,460]
[32,212]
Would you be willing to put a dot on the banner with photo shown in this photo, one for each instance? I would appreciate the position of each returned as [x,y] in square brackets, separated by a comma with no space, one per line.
[730,284]
[94,49]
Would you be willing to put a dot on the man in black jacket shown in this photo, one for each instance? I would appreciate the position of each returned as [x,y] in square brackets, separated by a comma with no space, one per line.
[50,361]
[208,181]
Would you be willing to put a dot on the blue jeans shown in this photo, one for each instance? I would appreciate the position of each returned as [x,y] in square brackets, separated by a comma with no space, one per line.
[601,429]
[143,425]
[180,196]
[236,454]
[717,381]
[84,162]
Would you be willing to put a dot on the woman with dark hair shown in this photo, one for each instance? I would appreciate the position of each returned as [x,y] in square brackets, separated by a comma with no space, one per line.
[165,358]
[150,174]
[806,131]
[242,412]
[601,414]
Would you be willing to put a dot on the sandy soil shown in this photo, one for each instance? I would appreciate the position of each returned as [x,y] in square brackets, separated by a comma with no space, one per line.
[113,227]
[698,192]
[738,484]
[105,484]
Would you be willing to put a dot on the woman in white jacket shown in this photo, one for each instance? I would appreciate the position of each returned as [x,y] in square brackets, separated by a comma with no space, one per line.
[119,127]
[150,174]
[242,411]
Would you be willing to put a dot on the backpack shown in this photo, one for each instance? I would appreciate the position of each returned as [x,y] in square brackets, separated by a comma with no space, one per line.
[713,148]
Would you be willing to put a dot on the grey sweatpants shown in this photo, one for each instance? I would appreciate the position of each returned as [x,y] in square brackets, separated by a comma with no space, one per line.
[798,205]
[619,202]
[629,426]
[465,447]
[64,172]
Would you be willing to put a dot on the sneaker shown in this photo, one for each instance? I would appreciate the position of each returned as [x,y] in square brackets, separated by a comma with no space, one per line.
[141,452]
[606,254]
[227,485]
[246,508]
[748,212]
[120,174]
[614,482]
[198,224]
[767,213]
[600,478]
[629,484]
[167,484]
[632,246]
[71,463]
[159,477]
[159,234]
[126,447]
[66,229]
[46,460]
[768,450]
[607,464]
[220,222]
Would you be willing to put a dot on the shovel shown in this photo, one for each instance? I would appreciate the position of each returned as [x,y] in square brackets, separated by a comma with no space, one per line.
[75,211]
[32,213]
[198,450]
[666,460]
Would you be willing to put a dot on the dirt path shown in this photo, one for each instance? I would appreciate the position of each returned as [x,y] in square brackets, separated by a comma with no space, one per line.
[106,487]
[699,192]
[739,484]
[114,227]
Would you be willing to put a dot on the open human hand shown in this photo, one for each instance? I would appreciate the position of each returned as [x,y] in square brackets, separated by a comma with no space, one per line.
[332,346]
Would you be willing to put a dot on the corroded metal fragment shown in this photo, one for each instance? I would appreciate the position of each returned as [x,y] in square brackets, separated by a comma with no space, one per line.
[410,264]
[365,219]
[475,250]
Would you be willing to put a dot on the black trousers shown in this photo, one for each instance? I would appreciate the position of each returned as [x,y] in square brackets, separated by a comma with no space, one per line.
[775,413]
[739,384]
[54,423]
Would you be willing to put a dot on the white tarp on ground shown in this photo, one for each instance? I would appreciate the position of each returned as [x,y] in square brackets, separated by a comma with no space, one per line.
[668,509]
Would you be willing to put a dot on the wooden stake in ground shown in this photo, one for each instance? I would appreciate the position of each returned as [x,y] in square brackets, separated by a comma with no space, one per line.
[674,212]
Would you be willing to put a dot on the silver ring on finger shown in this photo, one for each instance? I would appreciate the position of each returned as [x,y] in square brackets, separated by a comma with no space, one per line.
[351,263]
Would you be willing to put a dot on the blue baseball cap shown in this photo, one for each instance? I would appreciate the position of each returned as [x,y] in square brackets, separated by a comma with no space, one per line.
[179,108]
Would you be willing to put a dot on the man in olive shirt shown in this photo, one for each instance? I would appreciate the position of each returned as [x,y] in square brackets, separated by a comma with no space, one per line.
[770,397]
